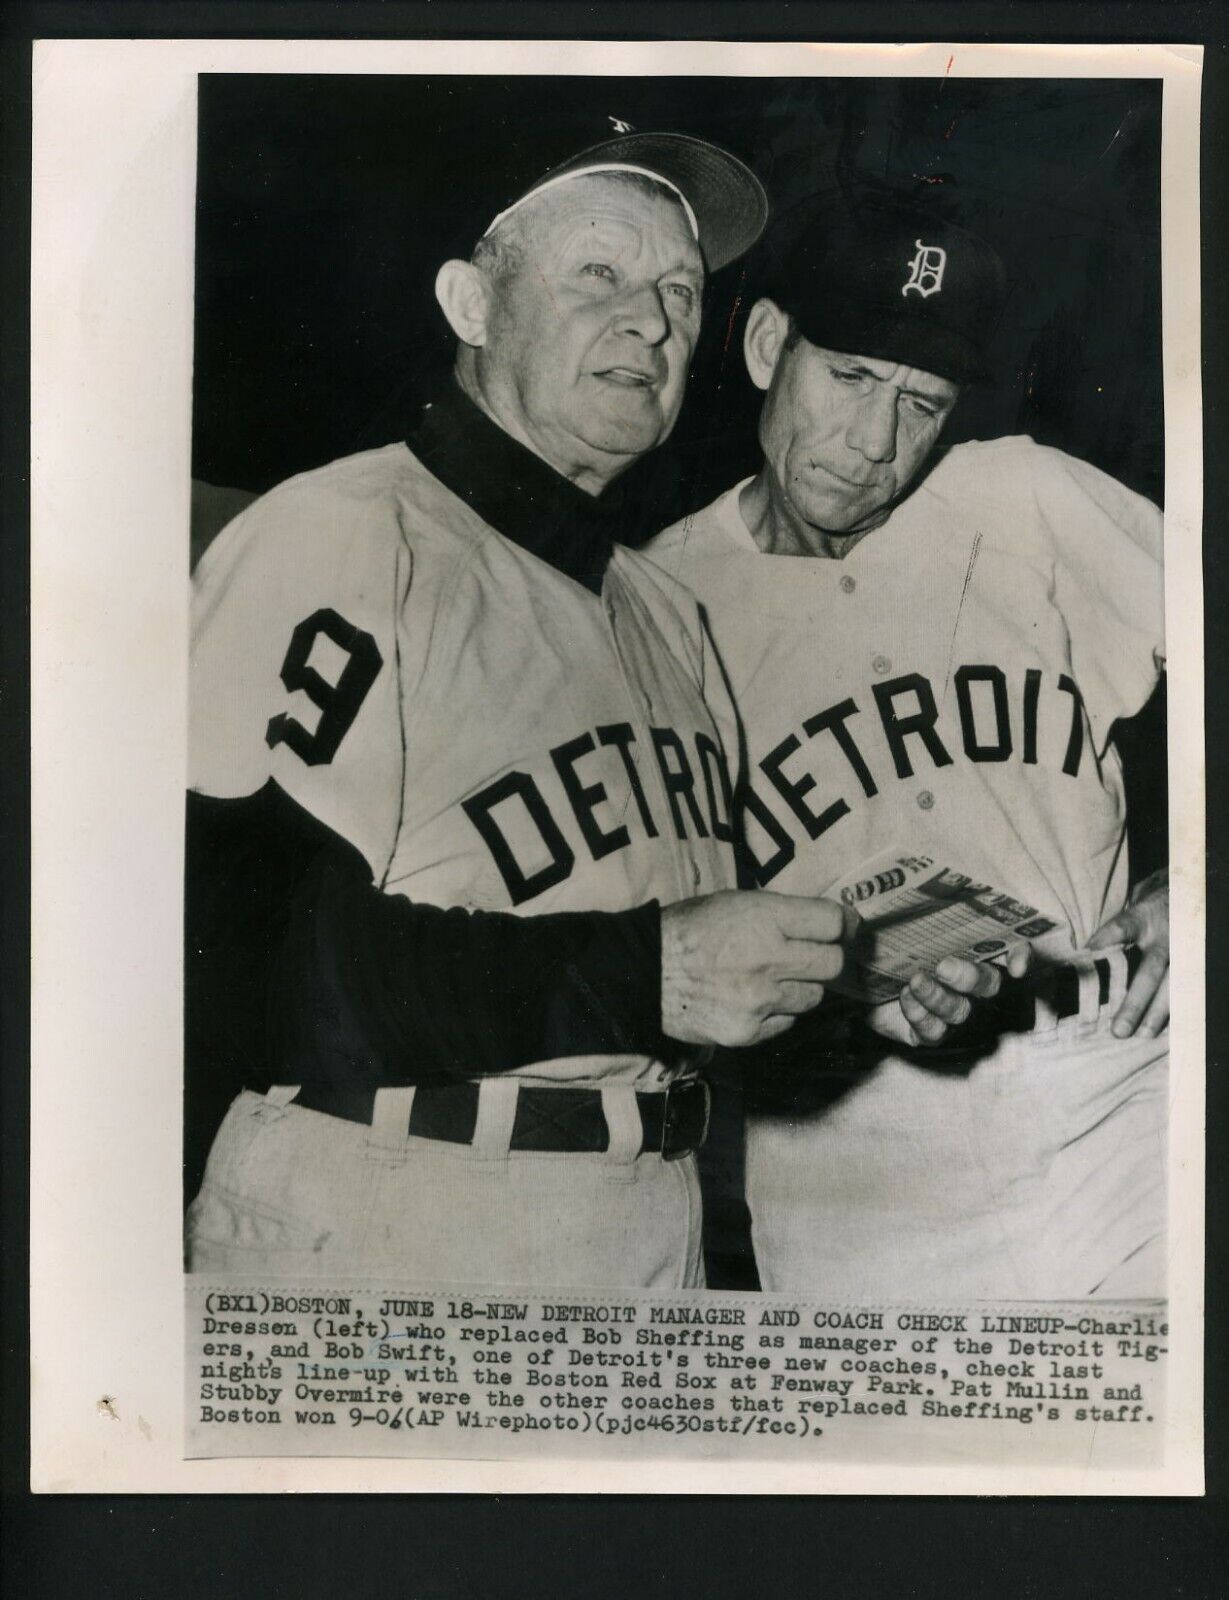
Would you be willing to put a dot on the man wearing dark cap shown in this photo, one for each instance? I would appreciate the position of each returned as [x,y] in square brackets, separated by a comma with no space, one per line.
[432,667]
[927,696]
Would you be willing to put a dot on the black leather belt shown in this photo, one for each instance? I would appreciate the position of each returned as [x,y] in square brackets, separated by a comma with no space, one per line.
[673,1122]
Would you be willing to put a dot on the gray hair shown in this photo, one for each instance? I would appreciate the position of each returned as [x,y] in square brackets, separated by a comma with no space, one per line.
[500,255]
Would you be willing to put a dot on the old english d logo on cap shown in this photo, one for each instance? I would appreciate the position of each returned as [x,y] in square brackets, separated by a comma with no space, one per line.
[876,277]
[926,270]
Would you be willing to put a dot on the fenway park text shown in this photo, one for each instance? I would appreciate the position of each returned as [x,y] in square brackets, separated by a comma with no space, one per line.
[285,1371]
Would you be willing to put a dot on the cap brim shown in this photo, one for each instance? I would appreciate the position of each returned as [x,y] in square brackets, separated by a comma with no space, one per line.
[930,347]
[729,202]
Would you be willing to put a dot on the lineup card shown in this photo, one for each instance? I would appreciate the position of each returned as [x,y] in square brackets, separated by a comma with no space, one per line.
[915,911]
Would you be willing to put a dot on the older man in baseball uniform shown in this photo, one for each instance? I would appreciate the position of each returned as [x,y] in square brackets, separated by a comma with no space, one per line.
[453,751]
[928,653]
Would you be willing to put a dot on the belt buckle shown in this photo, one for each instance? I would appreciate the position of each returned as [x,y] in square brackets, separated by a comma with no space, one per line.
[678,1091]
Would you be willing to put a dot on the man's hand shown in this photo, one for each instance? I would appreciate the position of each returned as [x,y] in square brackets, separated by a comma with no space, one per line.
[931,1004]
[738,967]
[1144,921]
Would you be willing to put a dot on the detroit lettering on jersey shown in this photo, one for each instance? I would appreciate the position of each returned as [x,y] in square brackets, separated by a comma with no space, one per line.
[907,722]
[950,685]
[512,814]
[532,851]
[487,731]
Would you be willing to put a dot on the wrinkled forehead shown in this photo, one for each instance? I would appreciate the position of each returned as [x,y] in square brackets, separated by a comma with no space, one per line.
[609,202]
[621,168]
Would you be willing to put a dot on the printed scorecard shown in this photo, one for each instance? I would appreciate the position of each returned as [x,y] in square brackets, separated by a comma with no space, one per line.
[915,912]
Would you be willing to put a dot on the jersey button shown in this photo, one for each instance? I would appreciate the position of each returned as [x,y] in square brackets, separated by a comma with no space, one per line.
[695,874]
[881,664]
[849,584]
[926,799]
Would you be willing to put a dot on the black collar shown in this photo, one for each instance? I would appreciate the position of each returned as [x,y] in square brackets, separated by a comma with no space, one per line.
[513,489]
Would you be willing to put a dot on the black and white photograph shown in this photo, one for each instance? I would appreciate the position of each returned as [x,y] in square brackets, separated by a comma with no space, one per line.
[675,855]
[870,371]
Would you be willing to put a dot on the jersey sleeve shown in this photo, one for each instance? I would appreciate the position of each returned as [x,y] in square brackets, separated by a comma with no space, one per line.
[1109,585]
[719,698]
[693,643]
[294,664]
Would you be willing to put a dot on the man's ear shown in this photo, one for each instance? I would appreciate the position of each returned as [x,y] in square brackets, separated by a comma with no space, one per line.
[764,340]
[464,294]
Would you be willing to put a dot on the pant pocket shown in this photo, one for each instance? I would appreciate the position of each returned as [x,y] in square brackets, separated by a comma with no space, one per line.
[224,1231]
[280,1178]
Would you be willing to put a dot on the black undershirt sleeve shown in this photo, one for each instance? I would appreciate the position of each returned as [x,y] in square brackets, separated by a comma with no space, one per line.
[1142,743]
[299,970]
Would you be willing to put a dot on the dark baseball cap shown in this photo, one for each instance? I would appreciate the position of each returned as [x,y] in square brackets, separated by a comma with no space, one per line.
[724,200]
[875,279]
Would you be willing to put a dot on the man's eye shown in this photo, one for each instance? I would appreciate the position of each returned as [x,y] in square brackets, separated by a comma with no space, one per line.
[683,292]
[845,377]
[597,269]
[922,408]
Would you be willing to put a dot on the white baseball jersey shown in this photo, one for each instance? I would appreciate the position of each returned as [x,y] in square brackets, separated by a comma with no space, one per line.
[948,689]
[485,730]
[948,686]
[491,735]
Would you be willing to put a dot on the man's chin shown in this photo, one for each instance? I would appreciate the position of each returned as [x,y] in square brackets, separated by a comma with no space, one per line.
[834,503]
[836,514]
[626,435]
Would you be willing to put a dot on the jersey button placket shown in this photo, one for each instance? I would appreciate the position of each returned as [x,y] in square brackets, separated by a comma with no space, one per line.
[637,696]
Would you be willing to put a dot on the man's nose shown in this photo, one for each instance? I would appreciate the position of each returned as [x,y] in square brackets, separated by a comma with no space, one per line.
[643,312]
[872,433]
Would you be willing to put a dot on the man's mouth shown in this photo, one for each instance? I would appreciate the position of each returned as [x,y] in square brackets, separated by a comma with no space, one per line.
[850,483]
[627,377]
